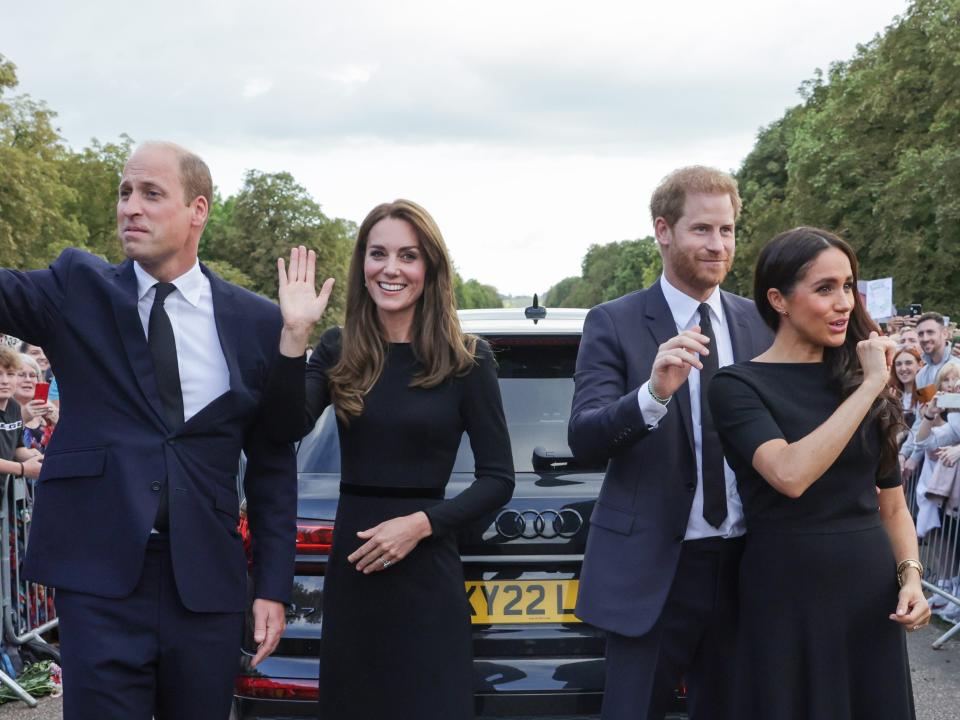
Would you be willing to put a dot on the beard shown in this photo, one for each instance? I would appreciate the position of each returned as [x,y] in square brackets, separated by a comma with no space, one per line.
[694,272]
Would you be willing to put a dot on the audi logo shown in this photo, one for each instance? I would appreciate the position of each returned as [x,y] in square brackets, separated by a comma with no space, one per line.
[545,524]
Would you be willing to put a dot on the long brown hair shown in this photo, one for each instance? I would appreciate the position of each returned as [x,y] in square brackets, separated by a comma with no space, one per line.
[782,264]
[442,349]
[895,383]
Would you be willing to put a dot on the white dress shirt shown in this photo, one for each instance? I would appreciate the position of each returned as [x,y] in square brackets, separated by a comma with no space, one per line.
[685,310]
[203,369]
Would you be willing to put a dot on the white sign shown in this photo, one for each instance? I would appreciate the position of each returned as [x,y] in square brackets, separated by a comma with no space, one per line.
[878,297]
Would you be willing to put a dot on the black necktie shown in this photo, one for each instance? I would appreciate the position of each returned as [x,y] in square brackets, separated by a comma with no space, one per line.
[711,453]
[163,348]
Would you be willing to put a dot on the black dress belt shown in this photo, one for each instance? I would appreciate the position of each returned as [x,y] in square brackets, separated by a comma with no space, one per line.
[391,491]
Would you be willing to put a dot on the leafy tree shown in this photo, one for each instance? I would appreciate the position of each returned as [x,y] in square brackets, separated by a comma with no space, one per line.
[94,175]
[873,154]
[270,214]
[557,295]
[34,220]
[609,271]
[474,294]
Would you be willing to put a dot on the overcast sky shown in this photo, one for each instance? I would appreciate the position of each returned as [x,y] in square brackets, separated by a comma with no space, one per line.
[529,129]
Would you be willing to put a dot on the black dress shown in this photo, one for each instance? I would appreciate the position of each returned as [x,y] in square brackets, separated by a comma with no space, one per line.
[818,576]
[397,643]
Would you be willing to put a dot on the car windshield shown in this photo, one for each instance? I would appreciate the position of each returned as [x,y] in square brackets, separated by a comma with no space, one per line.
[536,382]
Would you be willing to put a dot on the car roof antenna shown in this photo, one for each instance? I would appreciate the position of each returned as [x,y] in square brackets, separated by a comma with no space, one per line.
[535,312]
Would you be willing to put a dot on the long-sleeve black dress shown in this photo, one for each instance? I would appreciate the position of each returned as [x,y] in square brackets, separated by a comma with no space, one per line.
[397,643]
[818,575]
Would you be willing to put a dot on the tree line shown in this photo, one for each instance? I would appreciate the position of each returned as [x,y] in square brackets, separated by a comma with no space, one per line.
[871,153]
[53,197]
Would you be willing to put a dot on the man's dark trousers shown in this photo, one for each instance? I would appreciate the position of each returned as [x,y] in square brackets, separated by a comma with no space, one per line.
[694,638]
[130,655]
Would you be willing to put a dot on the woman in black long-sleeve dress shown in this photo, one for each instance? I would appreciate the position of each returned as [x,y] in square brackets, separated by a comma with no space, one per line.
[810,429]
[405,383]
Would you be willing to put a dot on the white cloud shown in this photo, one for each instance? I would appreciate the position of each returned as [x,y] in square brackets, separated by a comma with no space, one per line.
[256,87]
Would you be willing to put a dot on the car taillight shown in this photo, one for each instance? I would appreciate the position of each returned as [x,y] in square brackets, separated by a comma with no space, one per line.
[314,538]
[243,527]
[285,689]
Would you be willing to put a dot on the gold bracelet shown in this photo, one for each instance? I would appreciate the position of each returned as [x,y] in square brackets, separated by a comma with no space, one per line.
[909,563]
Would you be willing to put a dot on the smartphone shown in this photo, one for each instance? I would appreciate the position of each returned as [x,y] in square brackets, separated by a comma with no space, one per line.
[948,401]
[41,391]
[916,309]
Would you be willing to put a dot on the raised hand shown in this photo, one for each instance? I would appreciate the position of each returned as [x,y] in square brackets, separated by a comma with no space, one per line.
[671,366]
[300,304]
[876,354]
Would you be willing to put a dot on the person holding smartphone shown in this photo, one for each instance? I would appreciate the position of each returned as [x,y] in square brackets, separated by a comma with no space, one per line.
[939,427]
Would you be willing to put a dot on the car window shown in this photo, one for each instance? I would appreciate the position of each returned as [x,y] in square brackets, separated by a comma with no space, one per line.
[536,383]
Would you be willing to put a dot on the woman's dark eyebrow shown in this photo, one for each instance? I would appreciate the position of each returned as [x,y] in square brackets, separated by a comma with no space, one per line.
[848,279]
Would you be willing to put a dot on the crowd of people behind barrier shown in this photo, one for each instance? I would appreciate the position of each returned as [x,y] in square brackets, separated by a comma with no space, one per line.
[29,412]
[926,375]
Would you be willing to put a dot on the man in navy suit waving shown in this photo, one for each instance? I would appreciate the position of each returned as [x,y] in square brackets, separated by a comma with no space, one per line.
[162,368]
[660,569]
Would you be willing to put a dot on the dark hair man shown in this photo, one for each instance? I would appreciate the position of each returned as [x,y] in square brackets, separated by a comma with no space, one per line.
[660,570]
[934,342]
[135,524]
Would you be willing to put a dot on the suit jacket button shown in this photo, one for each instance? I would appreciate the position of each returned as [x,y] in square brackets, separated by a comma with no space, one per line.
[691,486]
[155,486]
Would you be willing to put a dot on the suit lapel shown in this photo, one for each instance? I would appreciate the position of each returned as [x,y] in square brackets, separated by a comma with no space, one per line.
[662,327]
[229,325]
[127,316]
[741,336]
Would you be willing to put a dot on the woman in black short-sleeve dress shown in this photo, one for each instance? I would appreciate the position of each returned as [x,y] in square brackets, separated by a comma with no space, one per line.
[809,428]
[405,384]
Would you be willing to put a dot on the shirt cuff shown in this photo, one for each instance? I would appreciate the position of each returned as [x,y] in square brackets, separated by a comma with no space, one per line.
[652,411]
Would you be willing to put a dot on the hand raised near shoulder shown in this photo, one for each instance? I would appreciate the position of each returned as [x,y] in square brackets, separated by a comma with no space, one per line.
[876,354]
[671,366]
[300,304]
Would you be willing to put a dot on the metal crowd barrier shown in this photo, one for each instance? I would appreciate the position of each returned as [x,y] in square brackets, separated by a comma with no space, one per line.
[938,525]
[27,608]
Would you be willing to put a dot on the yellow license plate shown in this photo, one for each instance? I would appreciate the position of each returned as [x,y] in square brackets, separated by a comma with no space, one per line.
[522,601]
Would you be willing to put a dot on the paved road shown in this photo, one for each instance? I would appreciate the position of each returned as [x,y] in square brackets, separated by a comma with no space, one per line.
[936,682]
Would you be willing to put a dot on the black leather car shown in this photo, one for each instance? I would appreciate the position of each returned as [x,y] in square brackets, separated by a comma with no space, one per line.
[532,656]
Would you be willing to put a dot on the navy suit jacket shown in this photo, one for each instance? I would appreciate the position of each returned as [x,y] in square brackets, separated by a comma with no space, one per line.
[640,518]
[97,496]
